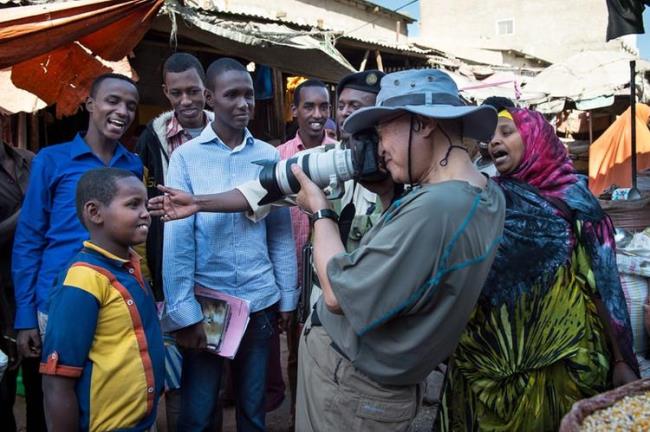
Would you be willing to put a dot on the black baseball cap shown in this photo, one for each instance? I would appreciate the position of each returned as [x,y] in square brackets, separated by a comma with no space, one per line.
[367,81]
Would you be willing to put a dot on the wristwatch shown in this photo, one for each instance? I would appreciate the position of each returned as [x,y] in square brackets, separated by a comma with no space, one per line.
[324,214]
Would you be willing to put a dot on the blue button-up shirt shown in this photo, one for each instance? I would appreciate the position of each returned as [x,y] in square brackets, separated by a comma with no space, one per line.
[49,233]
[224,251]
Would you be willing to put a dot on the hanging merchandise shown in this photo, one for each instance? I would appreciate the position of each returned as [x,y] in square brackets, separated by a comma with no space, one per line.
[292,83]
[263,82]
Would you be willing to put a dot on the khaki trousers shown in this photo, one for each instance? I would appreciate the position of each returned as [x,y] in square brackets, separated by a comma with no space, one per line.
[334,396]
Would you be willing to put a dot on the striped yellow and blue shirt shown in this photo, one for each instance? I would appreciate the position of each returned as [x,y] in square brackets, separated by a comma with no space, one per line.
[103,330]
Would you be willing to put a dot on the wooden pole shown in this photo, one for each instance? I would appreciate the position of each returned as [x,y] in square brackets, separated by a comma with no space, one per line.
[34,139]
[591,127]
[633,117]
[364,61]
[278,103]
[21,136]
[380,63]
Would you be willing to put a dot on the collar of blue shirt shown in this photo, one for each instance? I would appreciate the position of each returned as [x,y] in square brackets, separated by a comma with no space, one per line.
[209,136]
[80,147]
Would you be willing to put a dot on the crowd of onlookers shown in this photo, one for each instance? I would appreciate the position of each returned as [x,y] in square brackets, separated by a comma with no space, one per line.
[509,279]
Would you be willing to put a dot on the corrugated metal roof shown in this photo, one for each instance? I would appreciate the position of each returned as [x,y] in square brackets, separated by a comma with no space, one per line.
[386,10]
[263,12]
[402,47]
[243,10]
[302,52]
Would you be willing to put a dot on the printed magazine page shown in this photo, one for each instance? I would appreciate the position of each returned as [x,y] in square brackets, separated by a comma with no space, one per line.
[236,322]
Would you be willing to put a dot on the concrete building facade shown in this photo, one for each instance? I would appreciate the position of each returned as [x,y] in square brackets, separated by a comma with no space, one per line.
[549,29]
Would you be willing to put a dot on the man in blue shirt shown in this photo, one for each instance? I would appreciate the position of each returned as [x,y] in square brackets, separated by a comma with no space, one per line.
[228,253]
[49,233]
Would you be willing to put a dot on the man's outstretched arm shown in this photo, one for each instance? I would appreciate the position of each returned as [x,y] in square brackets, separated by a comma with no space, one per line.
[177,204]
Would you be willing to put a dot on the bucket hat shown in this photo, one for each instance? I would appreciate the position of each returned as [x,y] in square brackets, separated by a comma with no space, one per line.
[429,93]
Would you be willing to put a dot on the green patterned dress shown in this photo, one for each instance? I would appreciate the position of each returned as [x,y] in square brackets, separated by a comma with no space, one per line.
[535,343]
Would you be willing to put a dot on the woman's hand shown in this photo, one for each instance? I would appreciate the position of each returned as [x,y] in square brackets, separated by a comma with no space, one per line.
[310,198]
[623,374]
[173,204]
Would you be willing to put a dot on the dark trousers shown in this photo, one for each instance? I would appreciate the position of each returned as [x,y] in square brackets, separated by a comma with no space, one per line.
[33,398]
[202,372]
[275,387]
[293,341]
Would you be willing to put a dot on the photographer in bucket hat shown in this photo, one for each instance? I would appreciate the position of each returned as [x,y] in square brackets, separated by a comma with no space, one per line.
[394,308]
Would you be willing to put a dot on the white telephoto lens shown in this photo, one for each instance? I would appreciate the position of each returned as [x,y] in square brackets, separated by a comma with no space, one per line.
[323,166]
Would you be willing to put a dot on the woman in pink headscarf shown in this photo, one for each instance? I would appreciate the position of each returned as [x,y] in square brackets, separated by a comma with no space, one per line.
[551,326]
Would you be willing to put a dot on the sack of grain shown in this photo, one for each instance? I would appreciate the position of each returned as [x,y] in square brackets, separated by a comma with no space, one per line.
[636,409]
[635,289]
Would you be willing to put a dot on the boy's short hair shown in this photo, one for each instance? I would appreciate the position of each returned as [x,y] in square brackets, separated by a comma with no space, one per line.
[98,184]
[180,62]
[221,66]
[307,83]
[98,81]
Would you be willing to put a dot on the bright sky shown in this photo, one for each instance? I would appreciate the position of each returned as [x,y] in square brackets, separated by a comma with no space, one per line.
[413,10]
[643,41]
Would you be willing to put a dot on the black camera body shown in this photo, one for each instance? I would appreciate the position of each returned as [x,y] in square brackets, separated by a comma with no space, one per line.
[365,155]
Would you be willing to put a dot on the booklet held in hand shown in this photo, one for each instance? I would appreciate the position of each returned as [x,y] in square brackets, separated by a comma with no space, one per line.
[225,319]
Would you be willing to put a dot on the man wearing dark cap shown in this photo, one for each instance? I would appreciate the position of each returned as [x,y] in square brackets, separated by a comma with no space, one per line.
[356,91]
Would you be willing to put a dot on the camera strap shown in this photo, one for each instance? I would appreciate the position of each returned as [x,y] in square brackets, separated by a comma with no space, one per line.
[346,218]
[345,221]
[307,282]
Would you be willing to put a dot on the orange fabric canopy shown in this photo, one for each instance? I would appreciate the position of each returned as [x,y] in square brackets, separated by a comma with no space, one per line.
[52,48]
[610,155]
[109,28]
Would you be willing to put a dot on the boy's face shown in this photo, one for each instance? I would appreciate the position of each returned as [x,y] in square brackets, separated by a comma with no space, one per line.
[126,219]
[233,99]
[112,109]
[186,94]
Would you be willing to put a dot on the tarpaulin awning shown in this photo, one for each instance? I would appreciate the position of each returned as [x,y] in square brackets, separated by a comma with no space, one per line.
[610,155]
[108,28]
[53,48]
[499,84]
[297,52]
[586,76]
[14,99]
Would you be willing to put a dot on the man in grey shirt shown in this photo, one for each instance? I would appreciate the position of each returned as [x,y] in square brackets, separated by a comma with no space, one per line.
[395,307]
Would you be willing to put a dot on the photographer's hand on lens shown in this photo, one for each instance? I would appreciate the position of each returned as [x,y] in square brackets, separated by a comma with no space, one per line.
[173,204]
[311,198]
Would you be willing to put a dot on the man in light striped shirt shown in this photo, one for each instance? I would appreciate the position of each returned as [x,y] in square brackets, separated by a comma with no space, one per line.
[226,252]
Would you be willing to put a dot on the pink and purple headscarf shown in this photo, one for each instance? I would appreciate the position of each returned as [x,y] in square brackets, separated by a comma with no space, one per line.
[545,163]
